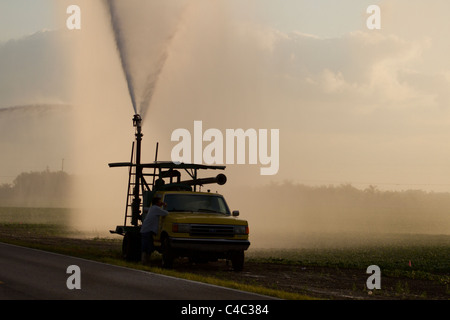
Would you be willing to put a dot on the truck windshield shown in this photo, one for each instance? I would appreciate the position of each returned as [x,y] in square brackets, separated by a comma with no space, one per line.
[196,203]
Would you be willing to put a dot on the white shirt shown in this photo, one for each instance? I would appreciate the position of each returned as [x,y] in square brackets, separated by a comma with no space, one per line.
[151,221]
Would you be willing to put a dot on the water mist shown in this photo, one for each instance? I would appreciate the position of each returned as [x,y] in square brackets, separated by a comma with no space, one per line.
[143,32]
[129,45]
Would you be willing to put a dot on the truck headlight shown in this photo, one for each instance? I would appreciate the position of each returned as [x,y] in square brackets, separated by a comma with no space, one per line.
[241,229]
[181,227]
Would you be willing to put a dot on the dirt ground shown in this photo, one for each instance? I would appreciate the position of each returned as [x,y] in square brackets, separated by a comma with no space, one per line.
[318,282]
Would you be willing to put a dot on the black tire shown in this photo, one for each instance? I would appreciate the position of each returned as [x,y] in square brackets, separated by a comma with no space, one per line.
[167,254]
[237,261]
[131,246]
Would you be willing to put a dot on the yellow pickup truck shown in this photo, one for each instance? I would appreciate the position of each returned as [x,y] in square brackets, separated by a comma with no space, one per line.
[200,226]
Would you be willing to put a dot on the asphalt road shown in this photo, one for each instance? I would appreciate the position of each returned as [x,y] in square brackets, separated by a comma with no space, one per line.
[38,275]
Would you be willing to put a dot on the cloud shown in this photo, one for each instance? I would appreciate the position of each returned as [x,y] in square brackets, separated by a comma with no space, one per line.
[34,69]
[249,68]
[367,99]
[361,66]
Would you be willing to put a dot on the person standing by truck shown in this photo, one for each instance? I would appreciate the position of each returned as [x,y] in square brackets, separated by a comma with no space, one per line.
[150,227]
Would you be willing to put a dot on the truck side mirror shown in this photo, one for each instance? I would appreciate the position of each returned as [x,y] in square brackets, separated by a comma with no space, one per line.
[235,213]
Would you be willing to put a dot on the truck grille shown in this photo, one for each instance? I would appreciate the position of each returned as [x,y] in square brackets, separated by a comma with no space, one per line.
[211,230]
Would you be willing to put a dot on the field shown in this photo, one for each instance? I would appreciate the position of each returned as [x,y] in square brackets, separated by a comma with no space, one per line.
[412,266]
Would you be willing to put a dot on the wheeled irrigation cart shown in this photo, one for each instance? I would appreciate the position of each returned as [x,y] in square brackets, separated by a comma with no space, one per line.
[199,225]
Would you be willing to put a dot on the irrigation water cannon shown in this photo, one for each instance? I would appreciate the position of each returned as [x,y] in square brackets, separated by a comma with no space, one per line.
[220,179]
[219,234]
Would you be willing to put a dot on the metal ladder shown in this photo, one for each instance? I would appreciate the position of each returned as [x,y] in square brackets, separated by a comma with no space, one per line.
[132,184]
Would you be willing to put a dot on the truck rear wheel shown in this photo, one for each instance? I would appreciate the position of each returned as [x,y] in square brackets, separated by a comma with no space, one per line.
[167,255]
[237,261]
[131,246]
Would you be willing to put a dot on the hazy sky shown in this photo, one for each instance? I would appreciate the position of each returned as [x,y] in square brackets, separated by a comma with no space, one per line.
[325,18]
[20,18]
[353,105]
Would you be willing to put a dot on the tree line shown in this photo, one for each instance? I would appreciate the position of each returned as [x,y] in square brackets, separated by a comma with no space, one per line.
[287,206]
[295,207]
[41,189]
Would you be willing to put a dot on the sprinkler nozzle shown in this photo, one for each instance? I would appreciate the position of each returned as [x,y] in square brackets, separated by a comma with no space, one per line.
[137,120]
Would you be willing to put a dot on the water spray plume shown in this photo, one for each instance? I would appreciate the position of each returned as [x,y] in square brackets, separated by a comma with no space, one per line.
[143,32]
[121,49]
[150,86]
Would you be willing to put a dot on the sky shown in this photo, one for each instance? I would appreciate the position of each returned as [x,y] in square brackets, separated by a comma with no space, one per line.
[23,17]
[324,18]
[352,105]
